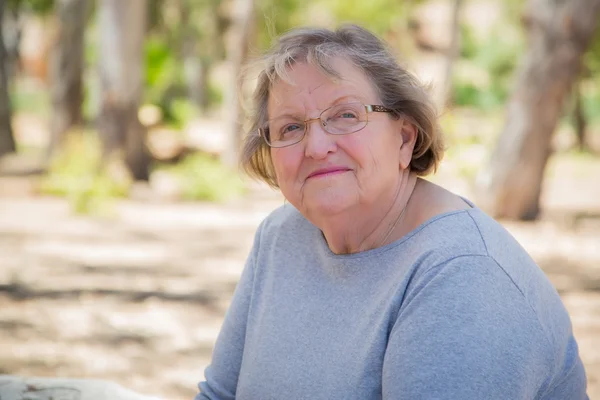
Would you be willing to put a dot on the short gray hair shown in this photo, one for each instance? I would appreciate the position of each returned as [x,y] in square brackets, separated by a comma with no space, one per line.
[399,90]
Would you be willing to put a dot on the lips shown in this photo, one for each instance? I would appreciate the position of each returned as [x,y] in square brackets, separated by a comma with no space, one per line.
[327,172]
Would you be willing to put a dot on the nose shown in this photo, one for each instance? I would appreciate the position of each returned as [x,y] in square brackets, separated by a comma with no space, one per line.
[318,142]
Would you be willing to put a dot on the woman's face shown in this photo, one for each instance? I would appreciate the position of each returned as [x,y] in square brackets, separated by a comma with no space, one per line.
[327,174]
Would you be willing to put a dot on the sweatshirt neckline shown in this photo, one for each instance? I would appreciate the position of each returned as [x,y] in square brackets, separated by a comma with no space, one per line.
[380,250]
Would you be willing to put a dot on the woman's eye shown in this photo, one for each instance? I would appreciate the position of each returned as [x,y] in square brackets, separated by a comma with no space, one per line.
[347,114]
[290,128]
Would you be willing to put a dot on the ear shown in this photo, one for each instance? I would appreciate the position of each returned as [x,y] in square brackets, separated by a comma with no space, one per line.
[409,133]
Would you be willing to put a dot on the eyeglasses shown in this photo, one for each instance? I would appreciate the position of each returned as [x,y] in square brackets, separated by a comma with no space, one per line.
[340,119]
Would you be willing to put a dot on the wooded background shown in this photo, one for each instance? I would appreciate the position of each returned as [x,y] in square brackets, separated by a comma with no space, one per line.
[138,76]
[124,221]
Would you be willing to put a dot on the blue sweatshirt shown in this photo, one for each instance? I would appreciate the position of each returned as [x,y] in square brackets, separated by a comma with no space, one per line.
[454,310]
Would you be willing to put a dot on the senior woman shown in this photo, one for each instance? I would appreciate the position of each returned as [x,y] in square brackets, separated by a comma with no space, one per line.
[371,282]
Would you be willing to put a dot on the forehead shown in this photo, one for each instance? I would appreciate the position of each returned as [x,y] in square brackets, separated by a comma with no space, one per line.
[310,87]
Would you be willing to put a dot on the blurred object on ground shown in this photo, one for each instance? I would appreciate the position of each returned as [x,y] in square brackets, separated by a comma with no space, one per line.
[21,388]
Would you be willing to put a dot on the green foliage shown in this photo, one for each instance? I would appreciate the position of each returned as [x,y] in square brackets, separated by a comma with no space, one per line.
[591,76]
[181,30]
[40,7]
[30,99]
[495,58]
[274,18]
[487,97]
[498,55]
[160,62]
[215,93]
[181,110]
[278,16]
[165,82]
[591,104]
[380,16]
[466,93]
[592,56]
[164,76]
[205,178]
[470,45]
[78,173]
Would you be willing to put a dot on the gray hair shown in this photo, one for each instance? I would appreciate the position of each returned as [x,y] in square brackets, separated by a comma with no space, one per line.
[398,89]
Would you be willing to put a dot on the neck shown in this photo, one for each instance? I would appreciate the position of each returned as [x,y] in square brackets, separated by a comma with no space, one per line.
[372,226]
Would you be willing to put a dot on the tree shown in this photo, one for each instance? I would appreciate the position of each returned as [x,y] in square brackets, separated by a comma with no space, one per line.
[193,65]
[579,119]
[66,68]
[12,31]
[122,26]
[591,69]
[559,32]
[7,141]
[452,53]
[237,52]
[200,45]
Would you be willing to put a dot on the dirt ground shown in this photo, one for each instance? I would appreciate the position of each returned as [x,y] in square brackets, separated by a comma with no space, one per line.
[139,298]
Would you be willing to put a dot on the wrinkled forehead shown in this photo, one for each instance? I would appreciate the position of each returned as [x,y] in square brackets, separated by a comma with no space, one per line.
[302,81]
[318,84]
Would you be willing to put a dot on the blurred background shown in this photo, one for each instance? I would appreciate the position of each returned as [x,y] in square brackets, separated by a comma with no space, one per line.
[124,222]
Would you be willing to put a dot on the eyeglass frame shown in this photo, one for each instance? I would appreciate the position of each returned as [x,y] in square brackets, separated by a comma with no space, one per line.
[369,108]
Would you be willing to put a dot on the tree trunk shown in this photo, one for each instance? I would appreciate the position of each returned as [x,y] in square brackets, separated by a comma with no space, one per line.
[237,51]
[579,119]
[66,69]
[7,141]
[196,72]
[13,31]
[452,54]
[122,26]
[559,31]
[195,64]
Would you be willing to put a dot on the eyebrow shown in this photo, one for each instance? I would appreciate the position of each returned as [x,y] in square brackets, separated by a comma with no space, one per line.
[338,100]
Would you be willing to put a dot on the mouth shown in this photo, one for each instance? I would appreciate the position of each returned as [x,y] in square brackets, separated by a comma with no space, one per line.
[326,172]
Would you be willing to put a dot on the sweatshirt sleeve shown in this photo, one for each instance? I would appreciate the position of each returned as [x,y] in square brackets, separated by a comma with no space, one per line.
[466,331]
[221,376]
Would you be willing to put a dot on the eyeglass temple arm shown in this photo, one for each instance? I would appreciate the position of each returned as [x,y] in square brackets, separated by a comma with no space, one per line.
[377,108]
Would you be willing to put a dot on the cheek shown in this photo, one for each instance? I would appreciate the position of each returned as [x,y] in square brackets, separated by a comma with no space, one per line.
[365,152]
[286,163]
[374,153]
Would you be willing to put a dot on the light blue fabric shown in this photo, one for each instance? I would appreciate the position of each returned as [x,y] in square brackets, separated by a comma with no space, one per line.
[454,310]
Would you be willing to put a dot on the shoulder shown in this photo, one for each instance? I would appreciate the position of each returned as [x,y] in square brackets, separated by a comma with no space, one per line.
[469,297]
[470,232]
[472,245]
[470,313]
[475,297]
[283,216]
[469,276]
[284,220]
[512,260]
[446,236]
